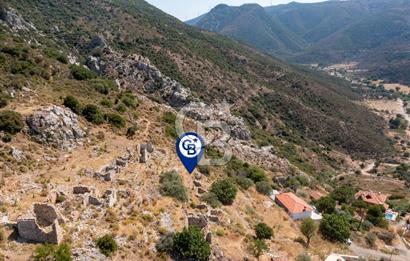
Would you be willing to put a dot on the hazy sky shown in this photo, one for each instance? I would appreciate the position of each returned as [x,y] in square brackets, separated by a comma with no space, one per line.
[188,9]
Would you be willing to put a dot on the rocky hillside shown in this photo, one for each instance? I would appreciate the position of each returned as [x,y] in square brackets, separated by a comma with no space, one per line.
[373,33]
[89,96]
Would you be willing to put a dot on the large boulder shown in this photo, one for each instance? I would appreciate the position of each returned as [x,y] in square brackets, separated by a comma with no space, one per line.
[56,126]
[14,20]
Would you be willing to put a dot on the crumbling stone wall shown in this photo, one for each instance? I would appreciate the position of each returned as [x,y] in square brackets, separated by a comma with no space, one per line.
[41,225]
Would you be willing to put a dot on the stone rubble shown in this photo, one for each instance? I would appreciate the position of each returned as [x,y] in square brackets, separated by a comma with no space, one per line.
[110,171]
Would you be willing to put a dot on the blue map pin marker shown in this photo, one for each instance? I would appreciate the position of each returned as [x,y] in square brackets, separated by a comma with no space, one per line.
[190,148]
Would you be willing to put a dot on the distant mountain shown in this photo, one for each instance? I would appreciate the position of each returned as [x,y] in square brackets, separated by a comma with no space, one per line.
[372,32]
[252,24]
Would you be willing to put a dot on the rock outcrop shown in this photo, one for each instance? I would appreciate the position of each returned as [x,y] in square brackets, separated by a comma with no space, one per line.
[14,20]
[219,113]
[56,126]
[41,225]
[136,73]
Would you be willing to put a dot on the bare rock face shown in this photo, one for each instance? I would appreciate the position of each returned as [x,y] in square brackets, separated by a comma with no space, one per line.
[41,225]
[219,112]
[136,73]
[57,127]
[14,20]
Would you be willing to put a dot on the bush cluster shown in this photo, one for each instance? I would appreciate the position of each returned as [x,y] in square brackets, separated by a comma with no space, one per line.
[80,73]
[191,244]
[225,190]
[11,122]
[263,231]
[107,245]
[171,185]
[51,252]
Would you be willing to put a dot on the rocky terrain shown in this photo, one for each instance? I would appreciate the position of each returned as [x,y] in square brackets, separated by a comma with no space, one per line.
[88,128]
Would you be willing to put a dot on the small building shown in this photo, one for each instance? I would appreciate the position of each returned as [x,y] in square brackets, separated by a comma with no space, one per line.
[295,206]
[374,198]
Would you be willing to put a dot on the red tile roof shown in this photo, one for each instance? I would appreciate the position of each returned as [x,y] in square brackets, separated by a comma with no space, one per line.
[371,197]
[292,203]
[316,195]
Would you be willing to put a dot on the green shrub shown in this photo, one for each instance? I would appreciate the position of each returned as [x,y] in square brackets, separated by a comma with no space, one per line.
[59,56]
[11,122]
[371,239]
[169,117]
[7,138]
[335,227]
[131,131]
[129,100]
[4,99]
[191,244]
[375,215]
[304,181]
[165,243]
[72,103]
[225,190]
[204,170]
[263,231]
[326,205]
[303,257]
[93,114]
[343,194]
[256,174]
[115,120]
[80,73]
[264,188]
[211,199]
[107,245]
[51,252]
[103,86]
[106,103]
[257,247]
[121,108]
[243,182]
[171,185]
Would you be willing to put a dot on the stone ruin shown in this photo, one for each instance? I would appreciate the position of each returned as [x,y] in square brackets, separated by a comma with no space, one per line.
[42,225]
[110,171]
[108,199]
[145,151]
[56,126]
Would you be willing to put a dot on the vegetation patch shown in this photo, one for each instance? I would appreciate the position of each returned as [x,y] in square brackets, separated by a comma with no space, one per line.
[172,186]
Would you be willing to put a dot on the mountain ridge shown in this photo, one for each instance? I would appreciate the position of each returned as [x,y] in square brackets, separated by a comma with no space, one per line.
[328,32]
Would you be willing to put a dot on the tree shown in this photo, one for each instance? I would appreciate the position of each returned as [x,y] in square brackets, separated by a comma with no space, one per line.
[360,207]
[326,205]
[263,231]
[191,244]
[73,104]
[107,245]
[375,214]
[308,228]
[335,227]
[343,194]
[225,190]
